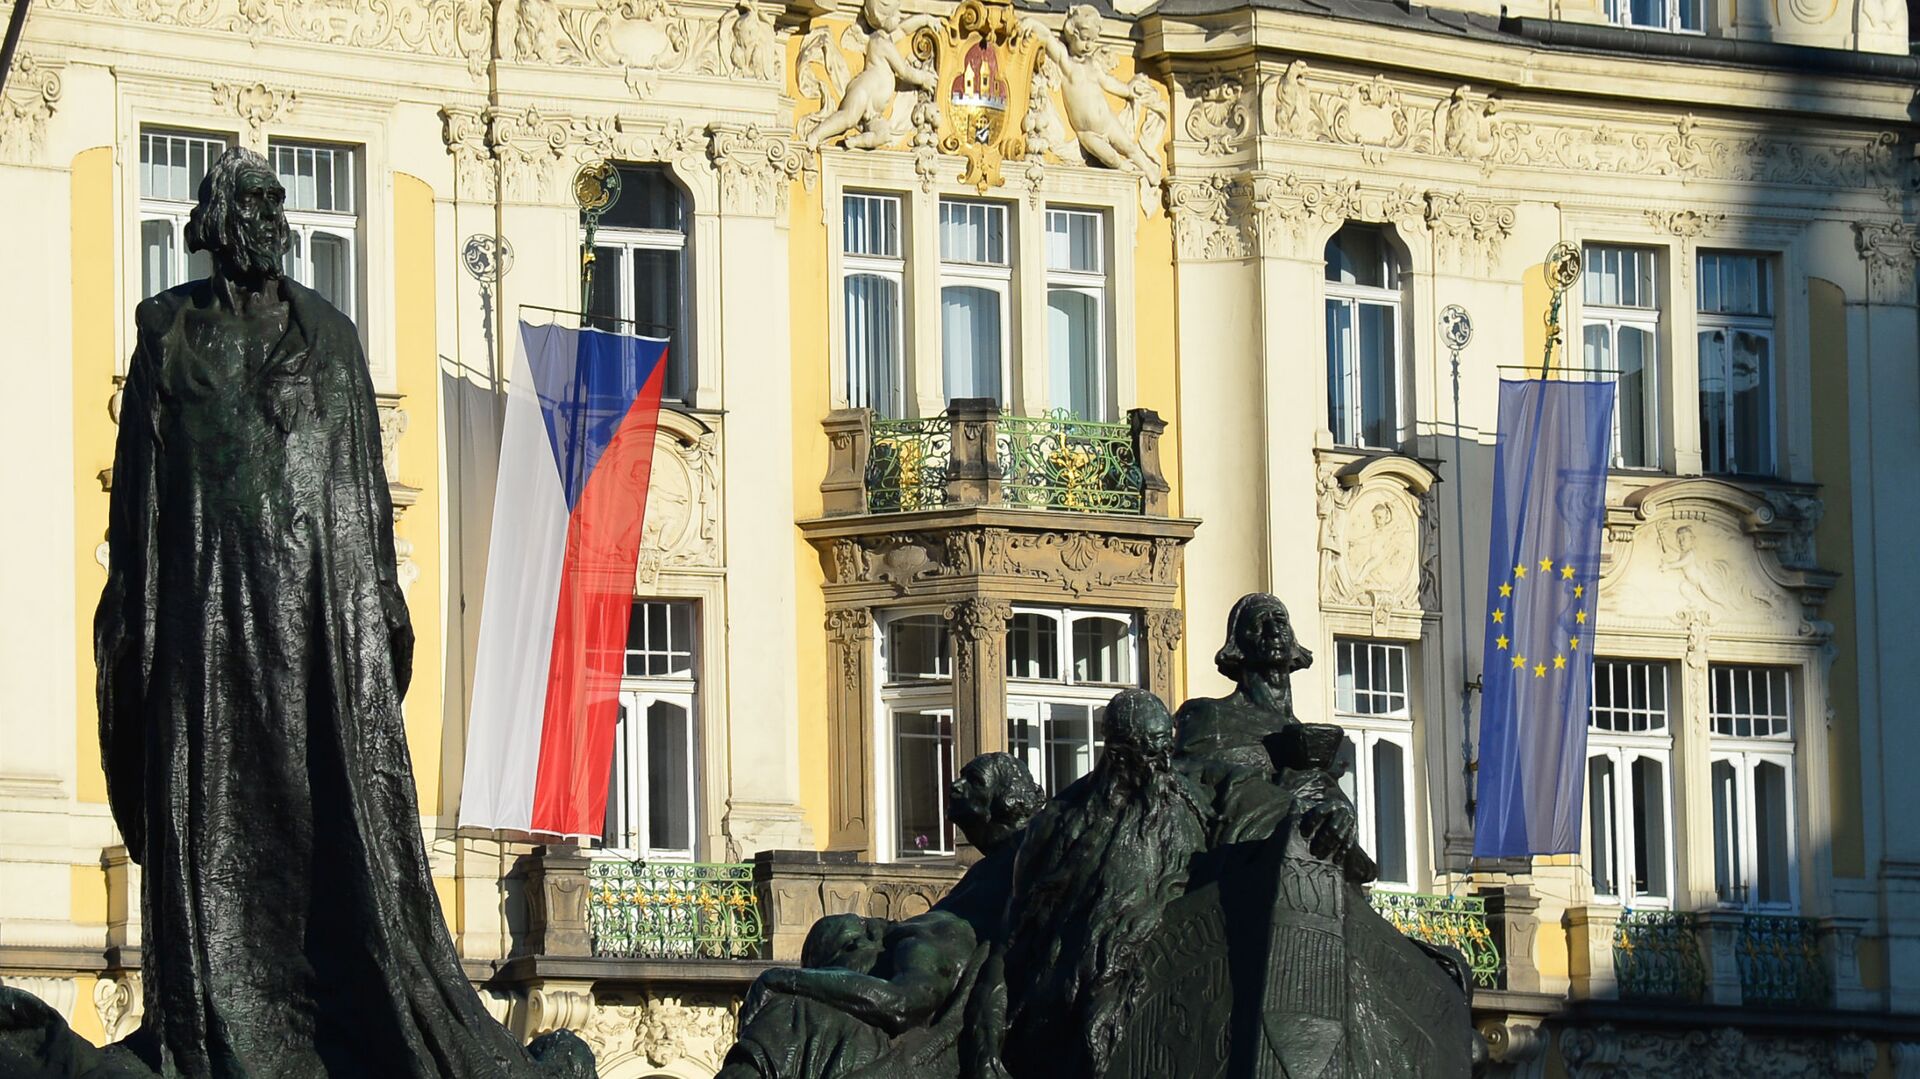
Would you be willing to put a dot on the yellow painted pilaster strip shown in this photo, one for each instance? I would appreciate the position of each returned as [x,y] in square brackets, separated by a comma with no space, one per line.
[93,216]
[812,397]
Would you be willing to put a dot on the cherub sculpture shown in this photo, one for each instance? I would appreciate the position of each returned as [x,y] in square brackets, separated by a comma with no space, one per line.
[1085,80]
[863,113]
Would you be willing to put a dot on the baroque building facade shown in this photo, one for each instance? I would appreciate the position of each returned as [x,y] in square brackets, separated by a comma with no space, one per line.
[1011,344]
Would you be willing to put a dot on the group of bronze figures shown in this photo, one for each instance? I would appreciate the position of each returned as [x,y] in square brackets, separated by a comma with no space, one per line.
[1190,908]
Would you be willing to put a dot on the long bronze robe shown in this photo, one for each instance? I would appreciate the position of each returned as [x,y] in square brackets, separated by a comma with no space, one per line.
[253,646]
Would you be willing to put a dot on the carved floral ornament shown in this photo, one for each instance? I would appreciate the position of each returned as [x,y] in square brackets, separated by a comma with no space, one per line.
[257,105]
[1225,217]
[978,91]
[33,89]
[1377,116]
[1890,250]
[1075,563]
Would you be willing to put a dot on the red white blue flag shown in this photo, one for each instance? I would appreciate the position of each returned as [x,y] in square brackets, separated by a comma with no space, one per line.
[576,452]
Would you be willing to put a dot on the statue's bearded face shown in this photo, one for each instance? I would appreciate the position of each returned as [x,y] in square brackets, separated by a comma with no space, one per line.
[255,232]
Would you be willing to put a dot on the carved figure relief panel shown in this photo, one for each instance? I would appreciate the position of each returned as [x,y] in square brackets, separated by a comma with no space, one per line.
[636,1033]
[1378,543]
[682,529]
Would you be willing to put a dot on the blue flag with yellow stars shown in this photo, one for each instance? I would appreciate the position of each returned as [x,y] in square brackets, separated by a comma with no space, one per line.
[1549,505]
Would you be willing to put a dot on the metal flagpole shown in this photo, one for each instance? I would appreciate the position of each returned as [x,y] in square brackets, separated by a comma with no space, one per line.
[1456,329]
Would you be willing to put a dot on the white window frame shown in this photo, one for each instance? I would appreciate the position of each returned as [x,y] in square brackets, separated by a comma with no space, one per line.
[1367,730]
[629,795]
[174,212]
[1620,13]
[1093,285]
[1352,416]
[1761,326]
[925,693]
[1028,699]
[625,241]
[1622,749]
[341,225]
[891,268]
[1744,754]
[1615,317]
[993,278]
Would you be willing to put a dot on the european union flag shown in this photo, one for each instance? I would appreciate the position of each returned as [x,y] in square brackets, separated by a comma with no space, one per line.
[1549,505]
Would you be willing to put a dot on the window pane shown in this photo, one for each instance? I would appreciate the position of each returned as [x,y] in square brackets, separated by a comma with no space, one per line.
[871,225]
[1650,827]
[1613,276]
[617,831]
[1603,845]
[973,232]
[873,344]
[156,256]
[1033,646]
[172,165]
[1362,255]
[923,746]
[669,778]
[970,341]
[660,640]
[1073,346]
[332,269]
[917,648]
[1073,241]
[1069,744]
[649,199]
[1103,651]
[1023,741]
[293,261]
[1340,372]
[1628,697]
[1370,678]
[609,287]
[1633,417]
[1772,871]
[317,178]
[1390,811]
[1750,380]
[1751,702]
[1379,414]
[1729,874]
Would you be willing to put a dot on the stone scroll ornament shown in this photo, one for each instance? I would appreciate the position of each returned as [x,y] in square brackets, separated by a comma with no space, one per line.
[253,646]
[1190,909]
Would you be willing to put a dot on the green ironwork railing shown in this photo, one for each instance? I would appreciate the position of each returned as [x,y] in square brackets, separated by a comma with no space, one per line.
[1779,960]
[1057,462]
[1456,921]
[674,910]
[907,468]
[1656,956]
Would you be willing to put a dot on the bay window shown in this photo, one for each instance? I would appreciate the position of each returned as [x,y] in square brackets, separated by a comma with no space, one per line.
[1619,331]
[651,812]
[1629,787]
[1735,295]
[1364,281]
[641,277]
[872,281]
[1751,725]
[322,218]
[976,275]
[916,714]
[172,164]
[1076,313]
[1063,666]
[1372,702]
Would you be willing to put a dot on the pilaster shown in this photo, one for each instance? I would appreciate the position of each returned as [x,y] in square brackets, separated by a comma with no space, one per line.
[979,676]
[1590,932]
[1719,932]
[850,727]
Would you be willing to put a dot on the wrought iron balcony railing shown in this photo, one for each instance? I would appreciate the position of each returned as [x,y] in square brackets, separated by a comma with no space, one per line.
[1656,956]
[1455,921]
[1780,962]
[975,455]
[673,910]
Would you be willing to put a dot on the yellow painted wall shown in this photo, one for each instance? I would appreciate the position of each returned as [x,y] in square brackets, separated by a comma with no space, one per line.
[812,397]
[1535,297]
[1833,539]
[1550,949]
[93,436]
[1157,366]
[86,1018]
[418,370]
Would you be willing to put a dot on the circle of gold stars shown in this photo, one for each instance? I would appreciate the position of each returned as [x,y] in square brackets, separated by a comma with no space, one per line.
[1567,577]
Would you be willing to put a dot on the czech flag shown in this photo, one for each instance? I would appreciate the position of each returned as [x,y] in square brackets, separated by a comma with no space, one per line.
[576,451]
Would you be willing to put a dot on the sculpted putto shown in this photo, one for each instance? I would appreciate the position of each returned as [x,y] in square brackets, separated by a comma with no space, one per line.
[863,113]
[1085,80]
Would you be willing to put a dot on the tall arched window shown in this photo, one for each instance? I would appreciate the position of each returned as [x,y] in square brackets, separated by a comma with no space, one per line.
[1365,279]
[642,280]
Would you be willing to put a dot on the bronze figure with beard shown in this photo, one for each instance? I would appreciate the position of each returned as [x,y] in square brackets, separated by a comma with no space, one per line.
[253,646]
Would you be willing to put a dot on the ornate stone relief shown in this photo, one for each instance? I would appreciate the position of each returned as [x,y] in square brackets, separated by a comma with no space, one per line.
[1686,224]
[1233,217]
[689,1032]
[1165,628]
[682,529]
[847,627]
[531,151]
[1078,66]
[1377,116]
[1605,1052]
[1378,543]
[1889,249]
[981,622]
[58,993]
[871,109]
[393,424]
[755,169]
[1079,562]
[1219,113]
[1210,219]
[643,39]
[257,105]
[1468,230]
[33,89]
[119,1003]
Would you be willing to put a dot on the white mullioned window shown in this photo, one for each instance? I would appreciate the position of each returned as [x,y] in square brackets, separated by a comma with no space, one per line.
[872,285]
[1076,313]
[1751,750]
[1735,295]
[1629,784]
[1364,281]
[642,280]
[323,218]
[1620,334]
[916,718]
[976,280]
[651,808]
[1063,666]
[1681,16]
[1372,701]
[172,164]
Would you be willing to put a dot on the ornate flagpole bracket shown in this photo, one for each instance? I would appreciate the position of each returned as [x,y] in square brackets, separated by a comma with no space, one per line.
[596,187]
[1456,331]
[1562,269]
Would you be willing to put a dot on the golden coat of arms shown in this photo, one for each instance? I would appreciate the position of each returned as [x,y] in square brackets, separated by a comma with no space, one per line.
[975,47]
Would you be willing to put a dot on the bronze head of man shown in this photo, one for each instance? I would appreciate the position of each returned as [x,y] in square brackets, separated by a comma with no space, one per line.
[1260,640]
[993,798]
[241,219]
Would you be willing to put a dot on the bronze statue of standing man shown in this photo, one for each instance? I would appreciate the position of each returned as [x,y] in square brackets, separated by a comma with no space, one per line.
[253,647]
